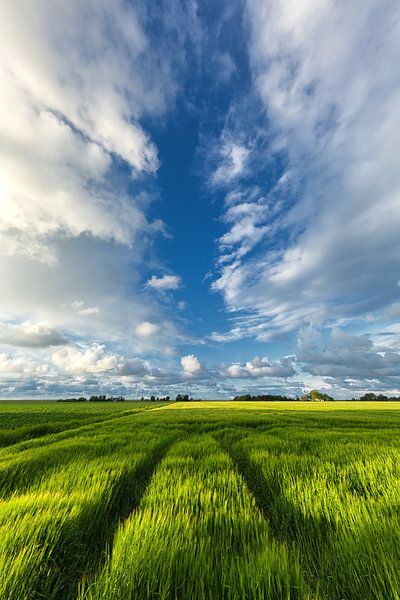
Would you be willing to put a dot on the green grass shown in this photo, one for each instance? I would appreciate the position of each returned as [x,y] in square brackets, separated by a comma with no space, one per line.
[197,533]
[201,501]
[26,420]
[24,413]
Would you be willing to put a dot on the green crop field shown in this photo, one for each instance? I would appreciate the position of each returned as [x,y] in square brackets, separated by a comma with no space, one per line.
[200,501]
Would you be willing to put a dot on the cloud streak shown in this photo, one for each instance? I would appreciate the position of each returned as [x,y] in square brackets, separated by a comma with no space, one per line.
[328,79]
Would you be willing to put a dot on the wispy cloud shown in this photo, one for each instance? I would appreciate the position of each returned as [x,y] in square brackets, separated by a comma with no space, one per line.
[328,78]
[76,164]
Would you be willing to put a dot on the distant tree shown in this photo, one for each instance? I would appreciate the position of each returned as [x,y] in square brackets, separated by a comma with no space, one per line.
[81,399]
[317,396]
[371,397]
[152,398]
[182,398]
[263,398]
[104,398]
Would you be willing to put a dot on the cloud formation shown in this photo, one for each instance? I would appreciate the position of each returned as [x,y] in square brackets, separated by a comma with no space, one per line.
[31,335]
[166,282]
[75,79]
[294,109]
[146,329]
[76,167]
[232,159]
[262,367]
[191,365]
[332,111]
[75,361]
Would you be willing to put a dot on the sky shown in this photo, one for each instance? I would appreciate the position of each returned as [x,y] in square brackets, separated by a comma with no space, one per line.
[199,197]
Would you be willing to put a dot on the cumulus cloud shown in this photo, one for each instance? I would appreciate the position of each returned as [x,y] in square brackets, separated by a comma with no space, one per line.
[13,365]
[133,367]
[72,97]
[332,112]
[31,335]
[191,365]
[348,356]
[146,329]
[166,282]
[75,361]
[261,367]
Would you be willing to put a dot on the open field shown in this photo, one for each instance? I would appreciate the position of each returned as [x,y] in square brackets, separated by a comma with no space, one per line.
[201,501]
[21,420]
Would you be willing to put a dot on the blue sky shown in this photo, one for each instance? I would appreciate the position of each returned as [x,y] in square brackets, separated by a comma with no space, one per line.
[199,197]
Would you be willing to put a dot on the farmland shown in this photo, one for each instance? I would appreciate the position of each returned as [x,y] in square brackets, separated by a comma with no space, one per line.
[200,501]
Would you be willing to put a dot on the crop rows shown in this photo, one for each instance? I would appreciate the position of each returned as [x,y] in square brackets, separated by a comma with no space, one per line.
[205,503]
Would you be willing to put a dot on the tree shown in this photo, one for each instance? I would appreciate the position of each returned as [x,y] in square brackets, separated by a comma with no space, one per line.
[317,396]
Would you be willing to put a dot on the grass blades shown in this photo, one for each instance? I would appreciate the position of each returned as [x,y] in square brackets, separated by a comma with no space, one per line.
[58,528]
[197,534]
[335,498]
[205,501]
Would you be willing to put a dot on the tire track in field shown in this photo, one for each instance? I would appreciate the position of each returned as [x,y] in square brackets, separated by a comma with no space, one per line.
[97,534]
[19,472]
[270,499]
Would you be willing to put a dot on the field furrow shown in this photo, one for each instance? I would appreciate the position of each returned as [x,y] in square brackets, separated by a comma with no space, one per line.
[197,534]
[337,503]
[210,501]
[60,527]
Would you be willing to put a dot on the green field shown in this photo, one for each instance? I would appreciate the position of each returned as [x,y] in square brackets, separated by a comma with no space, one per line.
[200,501]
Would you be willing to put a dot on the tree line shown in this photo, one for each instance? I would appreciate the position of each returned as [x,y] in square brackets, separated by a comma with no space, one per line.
[371,397]
[101,398]
[312,396]
[179,398]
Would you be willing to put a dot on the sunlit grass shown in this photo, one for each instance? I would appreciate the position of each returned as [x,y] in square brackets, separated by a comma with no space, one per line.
[206,501]
[197,534]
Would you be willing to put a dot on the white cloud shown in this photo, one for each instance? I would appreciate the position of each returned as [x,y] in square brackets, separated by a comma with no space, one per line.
[327,74]
[75,361]
[261,367]
[81,309]
[33,335]
[71,101]
[147,329]
[76,81]
[90,310]
[166,282]
[19,365]
[233,158]
[191,365]
[249,227]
